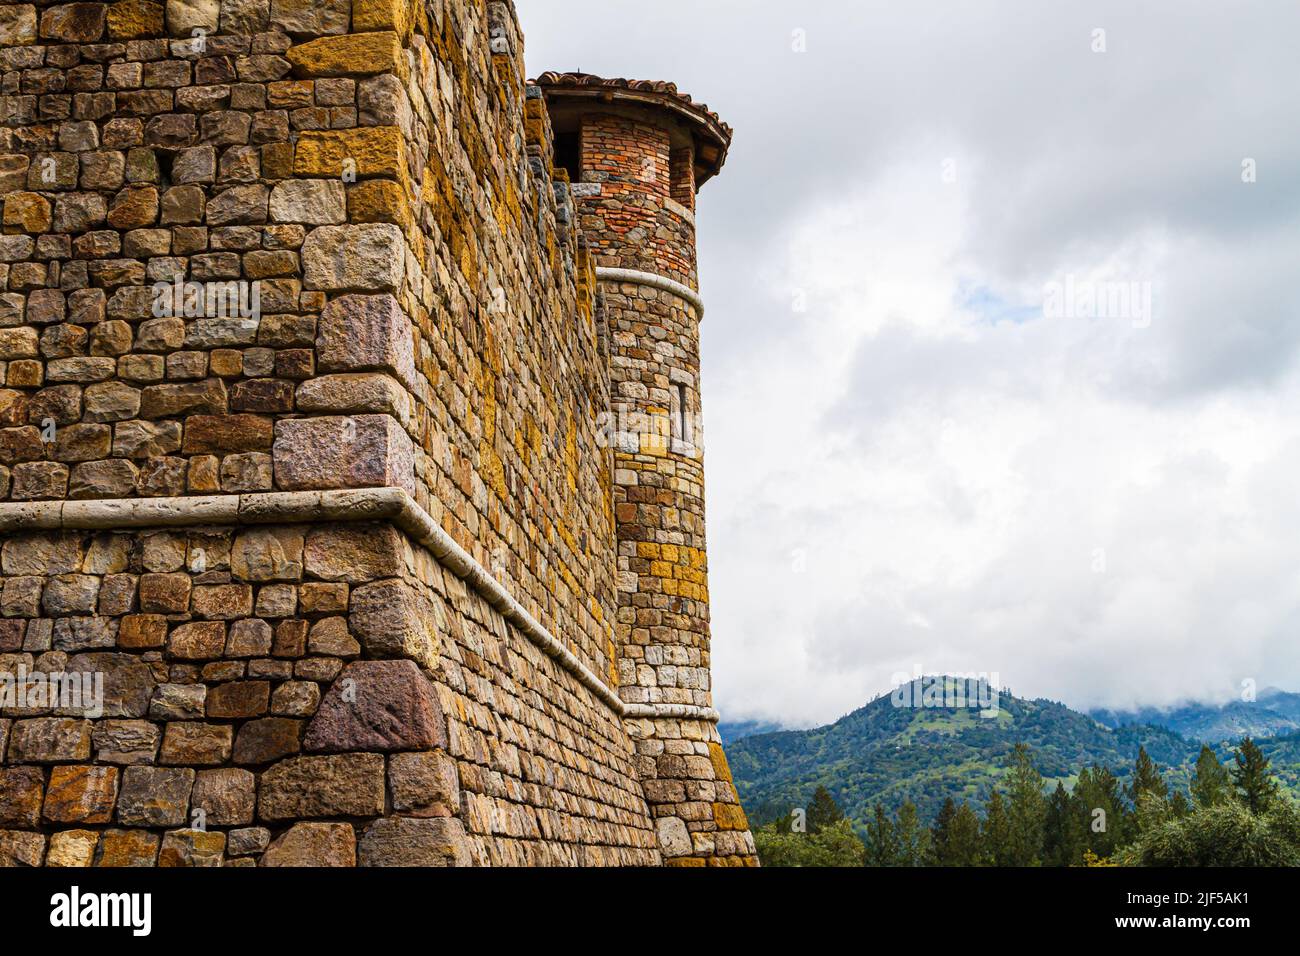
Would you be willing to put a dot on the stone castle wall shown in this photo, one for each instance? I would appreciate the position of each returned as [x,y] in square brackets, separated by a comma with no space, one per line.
[346,565]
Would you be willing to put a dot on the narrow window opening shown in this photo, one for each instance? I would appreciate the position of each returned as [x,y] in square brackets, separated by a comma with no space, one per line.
[679,420]
[568,154]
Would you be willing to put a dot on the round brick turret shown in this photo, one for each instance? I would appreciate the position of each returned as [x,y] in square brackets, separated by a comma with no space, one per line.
[637,152]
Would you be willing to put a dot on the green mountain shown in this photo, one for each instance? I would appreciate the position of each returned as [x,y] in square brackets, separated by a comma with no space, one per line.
[891,754]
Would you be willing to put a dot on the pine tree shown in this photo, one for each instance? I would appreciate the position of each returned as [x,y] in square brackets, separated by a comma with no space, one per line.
[964,845]
[941,833]
[1148,791]
[996,833]
[882,844]
[1027,811]
[1060,840]
[1252,779]
[1211,786]
[1178,805]
[1105,821]
[823,812]
[913,840]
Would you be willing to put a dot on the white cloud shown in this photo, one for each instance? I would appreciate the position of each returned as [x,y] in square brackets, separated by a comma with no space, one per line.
[923,469]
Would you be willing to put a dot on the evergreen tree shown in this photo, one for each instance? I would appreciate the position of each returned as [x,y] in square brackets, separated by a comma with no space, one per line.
[1099,806]
[1061,844]
[1252,779]
[1211,786]
[824,811]
[1148,791]
[1178,805]
[941,833]
[1027,811]
[964,846]
[882,843]
[913,840]
[996,833]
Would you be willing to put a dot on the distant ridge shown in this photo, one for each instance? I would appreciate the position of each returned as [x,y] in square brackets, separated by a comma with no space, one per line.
[891,754]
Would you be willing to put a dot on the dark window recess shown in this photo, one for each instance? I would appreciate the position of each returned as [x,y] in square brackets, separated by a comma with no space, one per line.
[568,154]
[679,420]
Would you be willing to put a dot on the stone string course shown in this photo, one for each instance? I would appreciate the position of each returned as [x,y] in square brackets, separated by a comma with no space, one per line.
[363,580]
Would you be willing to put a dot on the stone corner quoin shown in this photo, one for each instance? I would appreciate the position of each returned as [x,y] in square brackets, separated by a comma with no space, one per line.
[351,488]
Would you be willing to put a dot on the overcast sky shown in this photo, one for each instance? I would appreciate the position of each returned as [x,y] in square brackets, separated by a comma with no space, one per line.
[921,451]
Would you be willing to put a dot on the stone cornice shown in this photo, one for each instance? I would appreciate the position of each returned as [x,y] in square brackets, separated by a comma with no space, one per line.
[636,277]
[300,507]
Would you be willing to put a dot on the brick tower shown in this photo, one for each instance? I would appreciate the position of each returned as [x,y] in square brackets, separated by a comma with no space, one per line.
[637,153]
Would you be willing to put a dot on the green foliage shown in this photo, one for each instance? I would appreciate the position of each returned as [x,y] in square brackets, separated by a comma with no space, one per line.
[912,839]
[995,834]
[835,845]
[1226,834]
[1211,785]
[1027,813]
[881,841]
[824,811]
[1251,780]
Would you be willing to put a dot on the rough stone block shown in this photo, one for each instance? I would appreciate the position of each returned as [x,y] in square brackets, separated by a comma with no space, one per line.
[424,784]
[268,739]
[366,332]
[21,791]
[392,619]
[346,785]
[401,841]
[356,54]
[314,844]
[192,848]
[226,796]
[155,796]
[355,553]
[364,451]
[313,202]
[49,740]
[362,258]
[72,848]
[378,706]
[81,794]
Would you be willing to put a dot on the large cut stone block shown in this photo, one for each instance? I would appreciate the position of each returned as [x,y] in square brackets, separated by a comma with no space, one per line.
[366,151]
[314,844]
[365,451]
[311,17]
[400,841]
[346,785]
[377,705]
[357,54]
[355,554]
[366,332]
[364,258]
[393,620]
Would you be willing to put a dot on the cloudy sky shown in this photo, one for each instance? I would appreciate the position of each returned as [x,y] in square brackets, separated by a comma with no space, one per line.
[925,447]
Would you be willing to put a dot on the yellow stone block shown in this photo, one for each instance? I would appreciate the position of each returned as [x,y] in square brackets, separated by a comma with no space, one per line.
[372,151]
[686,861]
[730,816]
[72,848]
[353,54]
[134,19]
[718,758]
[26,212]
[377,200]
[396,15]
[669,553]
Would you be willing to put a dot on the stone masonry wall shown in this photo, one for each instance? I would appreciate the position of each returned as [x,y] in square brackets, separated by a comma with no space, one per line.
[255,253]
